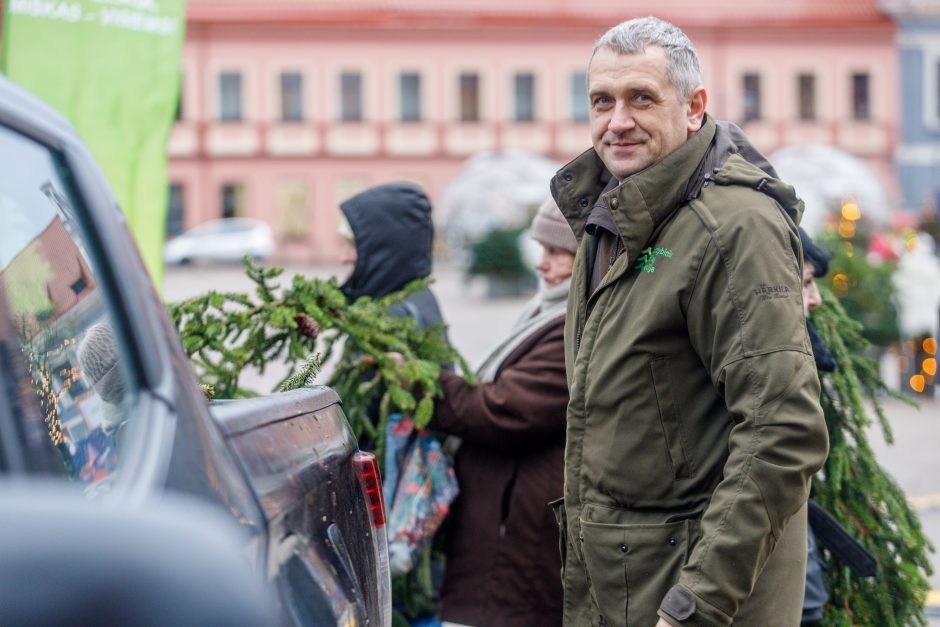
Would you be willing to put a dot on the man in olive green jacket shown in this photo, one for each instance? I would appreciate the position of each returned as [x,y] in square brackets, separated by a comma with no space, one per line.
[694,424]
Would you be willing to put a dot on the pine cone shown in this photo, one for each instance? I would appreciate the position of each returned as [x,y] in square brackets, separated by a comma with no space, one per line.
[307,326]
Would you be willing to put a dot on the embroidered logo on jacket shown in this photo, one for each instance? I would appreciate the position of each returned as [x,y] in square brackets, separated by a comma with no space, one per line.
[647,259]
[771,292]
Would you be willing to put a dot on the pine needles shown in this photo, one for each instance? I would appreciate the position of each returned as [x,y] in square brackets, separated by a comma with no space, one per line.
[858,492]
[303,324]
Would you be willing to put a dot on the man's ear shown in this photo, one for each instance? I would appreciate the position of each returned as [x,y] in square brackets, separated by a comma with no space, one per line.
[695,109]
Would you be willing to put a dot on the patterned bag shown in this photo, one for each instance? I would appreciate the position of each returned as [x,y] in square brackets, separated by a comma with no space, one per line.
[419,486]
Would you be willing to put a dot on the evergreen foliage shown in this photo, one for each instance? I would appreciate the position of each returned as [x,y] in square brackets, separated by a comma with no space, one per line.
[858,492]
[497,254]
[302,324]
[224,333]
[863,288]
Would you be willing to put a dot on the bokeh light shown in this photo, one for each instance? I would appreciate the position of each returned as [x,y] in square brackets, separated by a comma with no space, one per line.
[930,346]
[851,212]
[840,285]
[918,383]
[846,228]
[930,366]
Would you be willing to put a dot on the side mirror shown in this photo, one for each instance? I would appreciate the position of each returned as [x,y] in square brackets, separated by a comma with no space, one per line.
[65,560]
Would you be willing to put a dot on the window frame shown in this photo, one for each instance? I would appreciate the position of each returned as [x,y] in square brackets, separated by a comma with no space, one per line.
[931,83]
[756,113]
[286,96]
[237,112]
[866,115]
[413,113]
[464,113]
[530,114]
[810,114]
[357,114]
[578,89]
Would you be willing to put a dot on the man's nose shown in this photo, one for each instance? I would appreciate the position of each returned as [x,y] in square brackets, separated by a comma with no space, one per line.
[621,120]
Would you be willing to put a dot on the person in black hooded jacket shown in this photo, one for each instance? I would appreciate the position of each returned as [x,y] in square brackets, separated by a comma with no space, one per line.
[392,245]
[815,264]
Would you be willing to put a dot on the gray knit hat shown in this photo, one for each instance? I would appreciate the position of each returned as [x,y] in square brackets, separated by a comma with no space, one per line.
[98,357]
[550,228]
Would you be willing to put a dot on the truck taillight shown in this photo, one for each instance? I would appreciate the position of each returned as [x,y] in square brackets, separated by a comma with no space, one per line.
[367,469]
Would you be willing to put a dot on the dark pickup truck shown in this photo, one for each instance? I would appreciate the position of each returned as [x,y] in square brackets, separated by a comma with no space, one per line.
[96,393]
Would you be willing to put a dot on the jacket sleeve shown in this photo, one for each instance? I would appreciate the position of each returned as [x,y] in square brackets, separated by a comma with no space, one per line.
[746,323]
[522,408]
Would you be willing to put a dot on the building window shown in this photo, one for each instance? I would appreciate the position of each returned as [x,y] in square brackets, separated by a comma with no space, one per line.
[292,97]
[579,98]
[936,93]
[806,86]
[931,95]
[350,89]
[230,96]
[292,209]
[233,200]
[525,97]
[410,89]
[174,210]
[348,186]
[751,97]
[469,97]
[861,103]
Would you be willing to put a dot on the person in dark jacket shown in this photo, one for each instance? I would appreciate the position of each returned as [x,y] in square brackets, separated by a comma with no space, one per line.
[815,264]
[501,541]
[390,239]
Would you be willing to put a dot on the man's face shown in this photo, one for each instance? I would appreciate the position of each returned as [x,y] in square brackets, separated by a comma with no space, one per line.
[637,117]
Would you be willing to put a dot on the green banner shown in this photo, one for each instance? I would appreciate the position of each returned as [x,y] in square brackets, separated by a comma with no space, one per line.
[112,67]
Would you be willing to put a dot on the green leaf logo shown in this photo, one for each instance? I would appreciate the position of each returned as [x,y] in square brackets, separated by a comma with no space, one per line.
[647,259]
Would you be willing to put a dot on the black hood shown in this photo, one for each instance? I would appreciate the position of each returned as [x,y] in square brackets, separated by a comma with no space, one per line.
[812,253]
[394,237]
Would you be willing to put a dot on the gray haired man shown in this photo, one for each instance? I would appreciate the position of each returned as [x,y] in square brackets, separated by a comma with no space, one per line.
[694,423]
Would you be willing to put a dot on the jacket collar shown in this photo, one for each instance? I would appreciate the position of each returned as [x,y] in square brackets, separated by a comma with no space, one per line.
[642,201]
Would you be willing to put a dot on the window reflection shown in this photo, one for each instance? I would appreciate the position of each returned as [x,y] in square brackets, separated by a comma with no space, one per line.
[56,307]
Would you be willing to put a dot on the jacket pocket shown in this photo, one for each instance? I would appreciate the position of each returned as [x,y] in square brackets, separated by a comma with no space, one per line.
[670,419]
[558,508]
[631,567]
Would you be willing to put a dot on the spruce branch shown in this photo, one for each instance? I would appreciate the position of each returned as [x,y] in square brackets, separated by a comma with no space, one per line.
[303,323]
[860,494]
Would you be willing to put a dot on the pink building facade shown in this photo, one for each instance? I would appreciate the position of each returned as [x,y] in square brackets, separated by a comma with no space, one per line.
[288,107]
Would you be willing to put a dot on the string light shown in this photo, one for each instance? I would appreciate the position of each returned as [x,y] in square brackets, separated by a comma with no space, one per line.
[929,366]
[840,285]
[851,212]
[930,346]
[846,228]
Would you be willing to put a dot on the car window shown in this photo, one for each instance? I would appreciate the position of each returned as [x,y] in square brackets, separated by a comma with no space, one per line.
[61,324]
[234,225]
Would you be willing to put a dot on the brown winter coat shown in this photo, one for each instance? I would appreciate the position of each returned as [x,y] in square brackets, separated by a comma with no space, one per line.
[502,539]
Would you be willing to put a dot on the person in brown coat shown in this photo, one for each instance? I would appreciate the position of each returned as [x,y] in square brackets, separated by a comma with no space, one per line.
[503,566]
